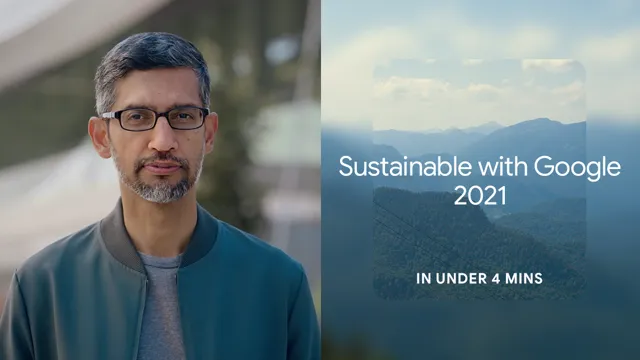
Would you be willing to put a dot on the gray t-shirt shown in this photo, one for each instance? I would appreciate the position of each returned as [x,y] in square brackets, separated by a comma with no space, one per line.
[161,336]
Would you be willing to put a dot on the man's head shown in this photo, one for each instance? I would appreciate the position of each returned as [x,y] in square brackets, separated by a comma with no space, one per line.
[152,99]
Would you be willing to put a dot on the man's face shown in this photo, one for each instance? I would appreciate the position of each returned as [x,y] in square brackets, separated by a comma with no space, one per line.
[160,165]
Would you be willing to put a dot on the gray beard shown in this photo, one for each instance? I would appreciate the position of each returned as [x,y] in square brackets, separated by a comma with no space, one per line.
[162,193]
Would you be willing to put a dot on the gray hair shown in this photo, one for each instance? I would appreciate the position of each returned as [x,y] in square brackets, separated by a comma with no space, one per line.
[146,51]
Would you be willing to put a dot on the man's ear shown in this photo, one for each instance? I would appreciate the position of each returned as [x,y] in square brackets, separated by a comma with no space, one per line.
[99,133]
[210,130]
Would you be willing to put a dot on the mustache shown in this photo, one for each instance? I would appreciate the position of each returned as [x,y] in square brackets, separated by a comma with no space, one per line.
[161,157]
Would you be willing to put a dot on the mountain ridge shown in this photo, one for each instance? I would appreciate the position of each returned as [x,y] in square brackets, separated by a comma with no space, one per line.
[427,231]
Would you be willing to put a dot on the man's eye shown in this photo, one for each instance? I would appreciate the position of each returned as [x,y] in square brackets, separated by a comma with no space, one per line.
[136,116]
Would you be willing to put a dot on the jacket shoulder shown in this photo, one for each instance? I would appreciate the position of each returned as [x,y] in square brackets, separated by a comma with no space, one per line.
[53,258]
[250,249]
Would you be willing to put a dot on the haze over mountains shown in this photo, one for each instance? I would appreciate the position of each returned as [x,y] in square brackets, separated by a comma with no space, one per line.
[414,143]
[418,227]
[527,140]
[489,139]
[367,262]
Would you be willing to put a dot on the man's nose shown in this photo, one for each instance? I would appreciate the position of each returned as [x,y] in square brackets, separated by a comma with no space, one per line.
[163,137]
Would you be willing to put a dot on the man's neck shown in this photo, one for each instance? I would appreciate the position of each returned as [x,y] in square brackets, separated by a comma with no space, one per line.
[162,230]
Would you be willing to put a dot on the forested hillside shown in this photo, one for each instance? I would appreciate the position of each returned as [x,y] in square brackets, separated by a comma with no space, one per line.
[426,232]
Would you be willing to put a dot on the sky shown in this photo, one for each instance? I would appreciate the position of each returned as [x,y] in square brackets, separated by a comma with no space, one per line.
[371,47]
[419,95]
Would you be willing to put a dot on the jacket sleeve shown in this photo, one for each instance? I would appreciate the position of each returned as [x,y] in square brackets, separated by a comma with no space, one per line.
[304,331]
[15,333]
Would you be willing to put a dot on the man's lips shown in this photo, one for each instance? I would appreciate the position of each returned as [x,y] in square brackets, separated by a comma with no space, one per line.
[162,168]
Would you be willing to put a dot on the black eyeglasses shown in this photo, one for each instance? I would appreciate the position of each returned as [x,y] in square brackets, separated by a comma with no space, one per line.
[140,119]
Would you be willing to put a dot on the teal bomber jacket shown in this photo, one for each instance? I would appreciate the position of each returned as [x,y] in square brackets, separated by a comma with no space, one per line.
[83,297]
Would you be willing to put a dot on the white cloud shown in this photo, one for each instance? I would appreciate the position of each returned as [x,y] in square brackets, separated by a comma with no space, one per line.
[472,62]
[347,80]
[619,48]
[570,93]
[483,88]
[610,63]
[575,88]
[419,103]
[424,89]
[347,73]
[410,88]
[467,41]
[528,41]
[550,65]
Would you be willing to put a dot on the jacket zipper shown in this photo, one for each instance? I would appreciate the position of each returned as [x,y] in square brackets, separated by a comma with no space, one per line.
[184,345]
[140,316]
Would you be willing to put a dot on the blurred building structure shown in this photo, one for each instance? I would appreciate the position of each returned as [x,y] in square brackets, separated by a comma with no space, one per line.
[44,197]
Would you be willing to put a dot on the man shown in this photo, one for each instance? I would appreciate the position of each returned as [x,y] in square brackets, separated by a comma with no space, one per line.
[159,277]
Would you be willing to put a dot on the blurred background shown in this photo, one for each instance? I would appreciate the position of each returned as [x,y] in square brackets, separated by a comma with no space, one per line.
[263,176]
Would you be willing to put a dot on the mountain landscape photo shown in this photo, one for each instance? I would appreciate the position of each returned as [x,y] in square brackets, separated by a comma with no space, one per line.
[386,238]
[376,236]
[366,294]
[541,228]
[472,81]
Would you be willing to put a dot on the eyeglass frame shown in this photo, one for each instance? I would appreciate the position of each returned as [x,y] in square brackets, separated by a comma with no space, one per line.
[117,114]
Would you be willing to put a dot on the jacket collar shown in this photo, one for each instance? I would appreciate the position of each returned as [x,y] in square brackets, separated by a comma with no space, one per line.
[119,244]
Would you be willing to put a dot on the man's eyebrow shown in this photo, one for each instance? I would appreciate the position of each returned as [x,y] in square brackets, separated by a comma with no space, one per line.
[137,106]
[144,106]
[184,105]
